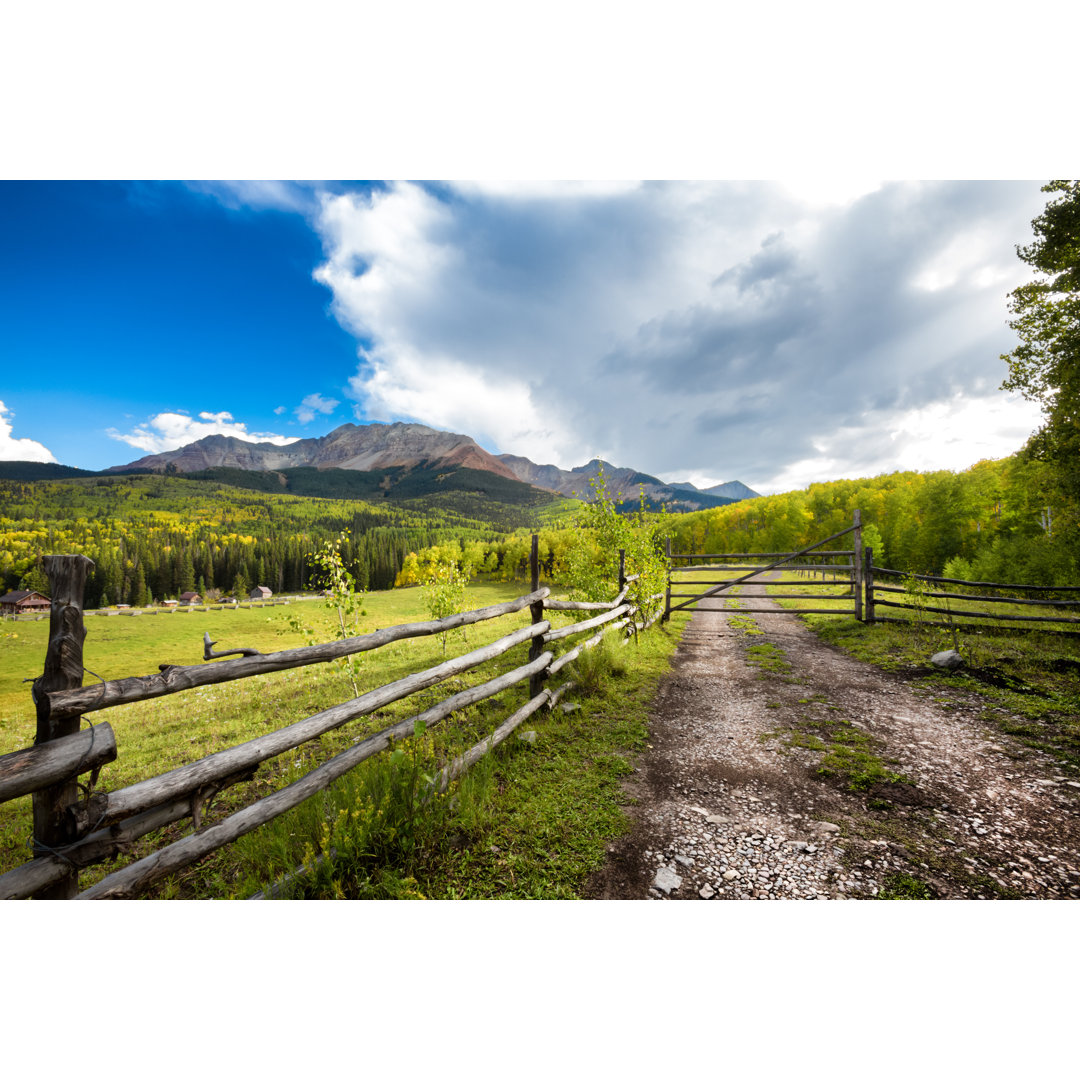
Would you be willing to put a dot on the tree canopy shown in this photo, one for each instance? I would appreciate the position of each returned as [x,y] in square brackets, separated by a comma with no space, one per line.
[1045,366]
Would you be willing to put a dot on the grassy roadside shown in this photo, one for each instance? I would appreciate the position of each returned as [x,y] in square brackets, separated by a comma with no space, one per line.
[550,804]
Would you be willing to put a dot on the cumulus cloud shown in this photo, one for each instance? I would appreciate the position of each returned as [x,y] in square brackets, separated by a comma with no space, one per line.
[12,449]
[312,405]
[170,431]
[723,331]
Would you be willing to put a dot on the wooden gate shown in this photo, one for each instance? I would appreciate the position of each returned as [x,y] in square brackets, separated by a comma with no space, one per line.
[845,571]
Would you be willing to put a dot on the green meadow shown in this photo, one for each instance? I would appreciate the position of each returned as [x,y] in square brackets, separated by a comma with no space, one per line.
[593,744]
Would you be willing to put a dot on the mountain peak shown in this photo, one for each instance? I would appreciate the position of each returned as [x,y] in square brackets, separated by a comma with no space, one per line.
[351,446]
[400,444]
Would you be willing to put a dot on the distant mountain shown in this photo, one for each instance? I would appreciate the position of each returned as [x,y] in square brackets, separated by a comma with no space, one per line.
[351,446]
[622,483]
[412,457]
[734,490]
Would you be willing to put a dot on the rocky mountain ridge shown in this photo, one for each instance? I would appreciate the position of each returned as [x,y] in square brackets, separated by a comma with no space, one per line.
[369,447]
[622,484]
[351,446]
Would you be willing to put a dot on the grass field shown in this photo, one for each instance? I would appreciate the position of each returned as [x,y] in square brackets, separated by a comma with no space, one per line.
[562,790]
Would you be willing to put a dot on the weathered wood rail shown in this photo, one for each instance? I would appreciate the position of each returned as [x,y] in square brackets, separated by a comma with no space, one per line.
[916,606]
[73,830]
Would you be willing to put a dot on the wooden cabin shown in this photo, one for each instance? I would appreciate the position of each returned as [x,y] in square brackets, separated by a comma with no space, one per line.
[24,602]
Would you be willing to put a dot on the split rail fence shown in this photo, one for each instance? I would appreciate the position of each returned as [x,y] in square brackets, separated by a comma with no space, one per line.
[75,827]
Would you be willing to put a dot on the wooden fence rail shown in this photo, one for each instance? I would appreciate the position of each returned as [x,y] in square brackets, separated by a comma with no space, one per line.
[917,606]
[850,579]
[71,834]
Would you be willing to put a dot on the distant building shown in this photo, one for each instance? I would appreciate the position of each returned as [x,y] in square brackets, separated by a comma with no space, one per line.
[260,592]
[190,598]
[22,601]
[169,603]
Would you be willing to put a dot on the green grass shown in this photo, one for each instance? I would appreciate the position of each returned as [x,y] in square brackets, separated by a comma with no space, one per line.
[586,750]
[531,821]
[905,887]
[768,658]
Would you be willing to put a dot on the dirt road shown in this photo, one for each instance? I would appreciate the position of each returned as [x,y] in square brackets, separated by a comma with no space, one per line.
[731,802]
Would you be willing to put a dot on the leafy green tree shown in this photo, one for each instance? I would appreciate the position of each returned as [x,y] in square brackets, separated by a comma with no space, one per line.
[139,595]
[871,538]
[443,588]
[1045,366]
[591,565]
[343,598]
[35,579]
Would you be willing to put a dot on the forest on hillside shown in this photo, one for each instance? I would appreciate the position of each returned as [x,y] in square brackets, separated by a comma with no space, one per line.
[155,536]
[997,521]
[1004,521]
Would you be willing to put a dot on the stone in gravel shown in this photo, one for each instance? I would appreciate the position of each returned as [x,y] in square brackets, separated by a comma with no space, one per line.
[706,892]
[699,810]
[666,879]
[949,660]
[684,861]
[730,875]
[716,819]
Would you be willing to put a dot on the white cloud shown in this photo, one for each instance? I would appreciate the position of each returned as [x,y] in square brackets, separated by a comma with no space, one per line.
[312,405]
[975,256]
[830,190]
[545,189]
[449,395]
[12,449]
[948,434]
[729,330]
[170,431]
[259,194]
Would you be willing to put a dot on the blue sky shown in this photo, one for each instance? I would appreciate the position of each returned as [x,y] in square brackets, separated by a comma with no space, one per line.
[775,333]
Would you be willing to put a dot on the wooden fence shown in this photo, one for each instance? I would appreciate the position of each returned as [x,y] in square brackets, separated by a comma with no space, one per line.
[74,828]
[914,596]
[845,572]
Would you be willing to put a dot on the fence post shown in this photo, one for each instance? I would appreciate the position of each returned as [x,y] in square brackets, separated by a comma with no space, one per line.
[667,598]
[53,825]
[857,565]
[868,573]
[536,682]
